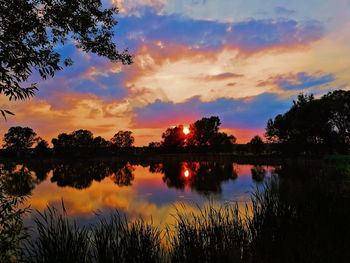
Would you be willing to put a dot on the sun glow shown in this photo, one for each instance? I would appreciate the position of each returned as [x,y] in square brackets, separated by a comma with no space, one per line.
[186,130]
[187,173]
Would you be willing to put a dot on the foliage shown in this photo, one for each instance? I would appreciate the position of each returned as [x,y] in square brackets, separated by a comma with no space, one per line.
[174,137]
[19,138]
[203,130]
[203,133]
[123,139]
[77,140]
[42,147]
[256,145]
[100,142]
[154,144]
[12,231]
[313,125]
[31,31]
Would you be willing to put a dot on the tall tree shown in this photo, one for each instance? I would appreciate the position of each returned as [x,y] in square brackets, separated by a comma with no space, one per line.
[174,137]
[19,138]
[203,130]
[338,105]
[68,143]
[313,125]
[123,139]
[30,31]
[256,145]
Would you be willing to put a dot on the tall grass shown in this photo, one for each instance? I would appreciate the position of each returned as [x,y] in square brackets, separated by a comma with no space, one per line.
[278,226]
[113,239]
[117,240]
[209,235]
[59,239]
[12,231]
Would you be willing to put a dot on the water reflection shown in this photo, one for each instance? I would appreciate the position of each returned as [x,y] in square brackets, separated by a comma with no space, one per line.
[258,173]
[20,180]
[146,189]
[204,177]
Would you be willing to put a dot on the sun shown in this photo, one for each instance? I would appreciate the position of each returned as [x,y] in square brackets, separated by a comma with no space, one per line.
[187,173]
[186,130]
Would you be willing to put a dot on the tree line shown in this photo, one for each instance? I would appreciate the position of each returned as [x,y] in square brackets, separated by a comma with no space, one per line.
[313,125]
[203,134]
[310,126]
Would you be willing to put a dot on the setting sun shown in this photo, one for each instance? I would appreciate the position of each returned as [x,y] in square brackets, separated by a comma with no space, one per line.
[186,173]
[186,130]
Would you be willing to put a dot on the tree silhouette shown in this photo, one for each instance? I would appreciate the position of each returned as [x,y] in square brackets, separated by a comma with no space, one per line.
[123,139]
[174,137]
[30,31]
[154,144]
[19,138]
[202,131]
[222,142]
[100,142]
[80,140]
[42,147]
[338,105]
[256,145]
[313,125]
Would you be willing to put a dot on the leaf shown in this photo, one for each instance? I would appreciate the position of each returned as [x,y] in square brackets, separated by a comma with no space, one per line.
[3,114]
[9,112]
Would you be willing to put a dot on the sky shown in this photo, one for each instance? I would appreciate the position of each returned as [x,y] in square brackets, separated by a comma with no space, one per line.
[242,60]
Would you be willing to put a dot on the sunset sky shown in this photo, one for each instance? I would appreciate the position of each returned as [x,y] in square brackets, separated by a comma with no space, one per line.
[242,60]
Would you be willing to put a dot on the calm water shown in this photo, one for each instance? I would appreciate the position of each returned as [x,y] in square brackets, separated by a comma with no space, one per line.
[147,190]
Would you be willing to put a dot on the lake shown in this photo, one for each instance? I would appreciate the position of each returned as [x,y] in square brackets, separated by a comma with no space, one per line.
[150,190]
[299,214]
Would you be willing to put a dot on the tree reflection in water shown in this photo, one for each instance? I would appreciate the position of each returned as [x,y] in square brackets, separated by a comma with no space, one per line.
[203,177]
[20,180]
[81,175]
[123,176]
[258,173]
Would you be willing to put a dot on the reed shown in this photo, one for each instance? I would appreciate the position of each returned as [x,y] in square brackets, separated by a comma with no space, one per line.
[278,226]
[209,234]
[59,239]
[117,240]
